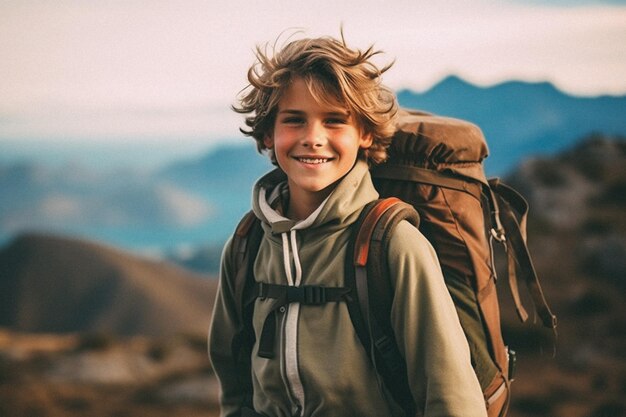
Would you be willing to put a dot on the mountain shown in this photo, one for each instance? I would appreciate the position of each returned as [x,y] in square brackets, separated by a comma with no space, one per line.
[521,119]
[74,199]
[57,284]
[225,168]
[224,178]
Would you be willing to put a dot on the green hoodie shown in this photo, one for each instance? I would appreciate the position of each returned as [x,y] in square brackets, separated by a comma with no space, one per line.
[320,367]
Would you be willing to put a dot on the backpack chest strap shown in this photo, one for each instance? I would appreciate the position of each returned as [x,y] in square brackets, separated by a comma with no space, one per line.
[305,294]
[286,294]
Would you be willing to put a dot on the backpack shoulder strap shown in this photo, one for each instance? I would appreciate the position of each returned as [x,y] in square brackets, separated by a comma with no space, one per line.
[246,242]
[245,245]
[374,293]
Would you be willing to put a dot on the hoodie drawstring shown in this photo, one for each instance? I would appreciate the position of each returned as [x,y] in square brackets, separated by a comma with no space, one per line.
[286,260]
[288,251]
[296,257]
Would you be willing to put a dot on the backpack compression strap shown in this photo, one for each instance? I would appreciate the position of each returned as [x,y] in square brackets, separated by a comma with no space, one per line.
[512,205]
[426,176]
[371,276]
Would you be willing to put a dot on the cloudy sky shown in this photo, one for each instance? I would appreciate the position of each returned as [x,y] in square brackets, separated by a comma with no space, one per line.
[154,69]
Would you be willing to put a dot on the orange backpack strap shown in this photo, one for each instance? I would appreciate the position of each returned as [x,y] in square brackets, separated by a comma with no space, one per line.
[374,293]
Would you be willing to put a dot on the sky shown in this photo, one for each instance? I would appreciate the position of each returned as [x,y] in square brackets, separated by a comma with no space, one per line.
[154,70]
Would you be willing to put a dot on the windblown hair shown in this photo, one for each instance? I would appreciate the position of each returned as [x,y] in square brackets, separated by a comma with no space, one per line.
[333,72]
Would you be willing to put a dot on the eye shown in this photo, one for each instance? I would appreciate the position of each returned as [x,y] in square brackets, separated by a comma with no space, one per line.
[293,120]
[337,121]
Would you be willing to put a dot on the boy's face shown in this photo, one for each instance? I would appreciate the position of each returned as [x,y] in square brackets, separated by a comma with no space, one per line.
[315,144]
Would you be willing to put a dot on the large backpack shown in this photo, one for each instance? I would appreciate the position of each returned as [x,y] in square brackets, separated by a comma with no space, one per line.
[435,165]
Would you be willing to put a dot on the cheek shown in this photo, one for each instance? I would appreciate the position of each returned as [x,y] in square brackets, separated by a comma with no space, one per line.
[281,150]
[283,139]
[280,145]
[350,146]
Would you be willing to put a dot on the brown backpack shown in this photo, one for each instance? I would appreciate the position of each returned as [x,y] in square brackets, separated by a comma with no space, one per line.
[435,165]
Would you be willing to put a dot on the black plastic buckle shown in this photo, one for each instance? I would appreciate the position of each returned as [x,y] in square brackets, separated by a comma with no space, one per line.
[263,289]
[314,294]
[388,350]
[512,363]
[308,294]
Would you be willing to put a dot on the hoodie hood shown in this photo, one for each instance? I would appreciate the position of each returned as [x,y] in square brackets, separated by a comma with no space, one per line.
[340,209]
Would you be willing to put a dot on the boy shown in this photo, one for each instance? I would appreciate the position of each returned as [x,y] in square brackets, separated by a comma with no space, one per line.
[319,108]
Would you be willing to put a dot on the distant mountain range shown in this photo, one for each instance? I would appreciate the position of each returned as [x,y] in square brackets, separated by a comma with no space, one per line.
[56,284]
[194,202]
[520,119]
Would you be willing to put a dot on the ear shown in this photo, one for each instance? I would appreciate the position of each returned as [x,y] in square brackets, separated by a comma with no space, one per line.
[366,141]
[268,141]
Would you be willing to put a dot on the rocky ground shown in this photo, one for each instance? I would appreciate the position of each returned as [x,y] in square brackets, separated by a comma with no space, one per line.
[577,236]
[583,373]
[97,375]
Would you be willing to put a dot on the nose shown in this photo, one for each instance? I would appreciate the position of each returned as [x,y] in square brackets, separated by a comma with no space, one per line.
[315,136]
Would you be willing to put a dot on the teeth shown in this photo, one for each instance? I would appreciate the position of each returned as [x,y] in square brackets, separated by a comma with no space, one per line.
[313,160]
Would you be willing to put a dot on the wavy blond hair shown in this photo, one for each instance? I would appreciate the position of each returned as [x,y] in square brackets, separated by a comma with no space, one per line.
[333,73]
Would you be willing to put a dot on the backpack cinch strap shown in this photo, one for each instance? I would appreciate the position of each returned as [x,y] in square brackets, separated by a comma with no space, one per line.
[284,295]
[426,176]
[520,262]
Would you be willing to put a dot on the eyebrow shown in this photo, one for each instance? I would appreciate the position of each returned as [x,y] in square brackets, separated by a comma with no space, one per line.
[300,112]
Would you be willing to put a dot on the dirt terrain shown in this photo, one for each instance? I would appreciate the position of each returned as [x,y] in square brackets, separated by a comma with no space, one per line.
[97,375]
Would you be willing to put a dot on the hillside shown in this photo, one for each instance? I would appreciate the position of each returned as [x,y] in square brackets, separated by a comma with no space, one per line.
[55,284]
[577,236]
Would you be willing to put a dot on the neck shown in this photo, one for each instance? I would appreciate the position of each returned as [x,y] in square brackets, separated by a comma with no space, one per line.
[303,204]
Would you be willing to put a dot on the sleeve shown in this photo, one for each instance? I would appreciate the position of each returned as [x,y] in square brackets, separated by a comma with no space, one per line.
[428,331]
[223,329]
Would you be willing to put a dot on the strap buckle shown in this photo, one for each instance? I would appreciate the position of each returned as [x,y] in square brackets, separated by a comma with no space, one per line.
[307,294]
[263,290]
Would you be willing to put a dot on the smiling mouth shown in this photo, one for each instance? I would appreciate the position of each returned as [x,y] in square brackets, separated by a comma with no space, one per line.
[313,161]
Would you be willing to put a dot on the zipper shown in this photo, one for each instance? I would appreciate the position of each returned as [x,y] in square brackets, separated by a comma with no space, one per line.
[290,329]
[291,357]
